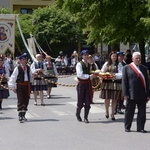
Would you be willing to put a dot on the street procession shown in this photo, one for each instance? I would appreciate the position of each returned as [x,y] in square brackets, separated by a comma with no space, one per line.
[74,75]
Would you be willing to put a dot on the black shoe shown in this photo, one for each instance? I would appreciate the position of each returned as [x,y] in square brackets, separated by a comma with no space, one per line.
[86,120]
[21,119]
[107,116]
[127,130]
[79,118]
[123,107]
[142,131]
[113,119]
[42,104]
[48,96]
[120,112]
[24,118]
[78,111]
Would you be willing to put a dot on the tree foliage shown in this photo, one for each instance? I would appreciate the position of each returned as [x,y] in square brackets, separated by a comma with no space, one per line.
[111,21]
[55,24]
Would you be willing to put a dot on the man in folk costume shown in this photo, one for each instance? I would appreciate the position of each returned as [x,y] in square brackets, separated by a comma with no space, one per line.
[94,81]
[84,87]
[135,89]
[22,76]
[121,64]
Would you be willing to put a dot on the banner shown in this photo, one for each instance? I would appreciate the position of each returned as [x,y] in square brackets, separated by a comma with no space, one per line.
[31,46]
[7,33]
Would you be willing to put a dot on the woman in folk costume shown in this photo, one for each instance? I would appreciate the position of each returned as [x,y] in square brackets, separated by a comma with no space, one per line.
[51,75]
[84,87]
[109,88]
[4,75]
[39,71]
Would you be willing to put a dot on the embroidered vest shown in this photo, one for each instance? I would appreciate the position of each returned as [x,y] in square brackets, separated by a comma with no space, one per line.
[38,65]
[93,67]
[20,77]
[86,70]
[50,69]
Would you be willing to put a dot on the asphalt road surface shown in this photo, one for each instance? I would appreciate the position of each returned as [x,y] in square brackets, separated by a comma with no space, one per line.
[54,126]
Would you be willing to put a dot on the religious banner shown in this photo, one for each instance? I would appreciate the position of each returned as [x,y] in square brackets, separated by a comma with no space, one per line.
[7,33]
[31,45]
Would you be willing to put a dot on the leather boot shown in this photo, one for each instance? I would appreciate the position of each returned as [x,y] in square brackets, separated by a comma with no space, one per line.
[23,116]
[78,111]
[86,112]
[20,117]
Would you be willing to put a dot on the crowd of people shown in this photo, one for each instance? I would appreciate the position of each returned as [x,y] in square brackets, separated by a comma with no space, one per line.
[129,82]
[25,78]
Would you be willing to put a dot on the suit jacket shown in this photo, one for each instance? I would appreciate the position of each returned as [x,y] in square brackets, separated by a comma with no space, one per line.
[132,85]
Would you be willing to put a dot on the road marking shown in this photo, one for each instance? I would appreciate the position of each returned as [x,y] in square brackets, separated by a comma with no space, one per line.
[94,109]
[60,113]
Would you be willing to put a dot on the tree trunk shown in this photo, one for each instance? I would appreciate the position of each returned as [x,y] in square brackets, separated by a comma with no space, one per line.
[142,50]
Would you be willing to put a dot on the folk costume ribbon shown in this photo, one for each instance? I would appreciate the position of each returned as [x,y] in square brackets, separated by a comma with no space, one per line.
[139,73]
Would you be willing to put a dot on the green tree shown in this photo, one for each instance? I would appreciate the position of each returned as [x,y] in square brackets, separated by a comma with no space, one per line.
[112,21]
[55,25]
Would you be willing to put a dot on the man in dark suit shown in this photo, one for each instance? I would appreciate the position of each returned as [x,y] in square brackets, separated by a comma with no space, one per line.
[135,89]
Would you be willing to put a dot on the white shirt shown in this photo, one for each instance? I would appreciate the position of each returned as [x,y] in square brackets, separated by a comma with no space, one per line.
[119,74]
[79,72]
[35,70]
[13,78]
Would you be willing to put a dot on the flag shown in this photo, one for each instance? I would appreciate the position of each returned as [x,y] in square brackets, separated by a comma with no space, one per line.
[7,33]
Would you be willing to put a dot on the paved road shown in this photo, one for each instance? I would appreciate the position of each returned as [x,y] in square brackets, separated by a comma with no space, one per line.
[54,126]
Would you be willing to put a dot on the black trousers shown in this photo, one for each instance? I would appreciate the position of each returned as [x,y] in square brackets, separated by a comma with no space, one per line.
[141,115]
[83,95]
[23,97]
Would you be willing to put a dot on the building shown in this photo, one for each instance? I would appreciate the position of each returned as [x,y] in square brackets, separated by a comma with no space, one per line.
[24,6]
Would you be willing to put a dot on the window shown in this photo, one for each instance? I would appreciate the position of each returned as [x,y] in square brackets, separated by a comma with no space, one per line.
[26,10]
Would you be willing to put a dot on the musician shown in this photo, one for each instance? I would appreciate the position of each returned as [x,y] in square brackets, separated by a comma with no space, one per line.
[94,67]
[23,76]
[84,87]
[39,71]
[4,75]
[135,89]
[51,75]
